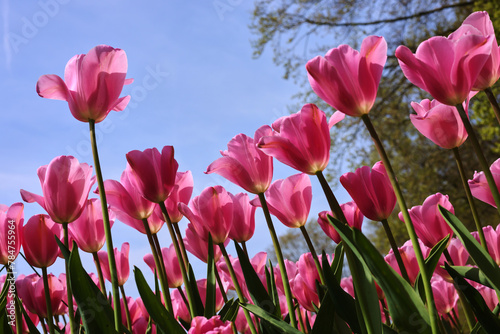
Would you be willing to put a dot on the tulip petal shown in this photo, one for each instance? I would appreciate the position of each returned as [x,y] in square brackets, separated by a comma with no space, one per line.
[51,86]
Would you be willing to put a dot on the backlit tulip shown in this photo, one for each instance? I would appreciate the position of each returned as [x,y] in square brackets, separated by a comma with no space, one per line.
[347,79]
[408,256]
[181,193]
[372,191]
[458,254]
[446,68]
[352,214]
[439,122]
[244,164]
[174,274]
[492,236]
[305,294]
[65,185]
[39,242]
[11,235]
[243,225]
[122,264]
[289,200]
[197,245]
[214,325]
[31,291]
[479,186]
[301,140]
[92,83]
[154,172]
[445,295]
[429,224]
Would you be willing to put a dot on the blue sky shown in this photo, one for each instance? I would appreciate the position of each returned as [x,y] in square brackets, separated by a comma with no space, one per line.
[196,86]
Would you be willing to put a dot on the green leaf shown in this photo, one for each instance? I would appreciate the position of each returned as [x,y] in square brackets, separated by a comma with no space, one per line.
[199,309]
[163,319]
[31,326]
[97,314]
[325,322]
[407,310]
[64,250]
[488,321]
[281,325]
[210,297]
[4,319]
[230,310]
[338,261]
[474,274]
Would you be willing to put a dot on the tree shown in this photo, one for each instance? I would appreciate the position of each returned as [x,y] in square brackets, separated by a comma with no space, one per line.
[296,31]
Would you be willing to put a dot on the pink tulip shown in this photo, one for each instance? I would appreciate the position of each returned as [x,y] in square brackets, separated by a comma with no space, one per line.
[429,225]
[489,295]
[409,259]
[492,237]
[352,214]
[241,322]
[174,274]
[307,269]
[31,291]
[134,311]
[181,193]
[39,241]
[154,173]
[347,79]
[155,222]
[289,200]
[244,164]
[92,83]
[291,271]
[122,263]
[197,244]
[211,210]
[479,23]
[305,294]
[347,285]
[459,256]
[11,235]
[446,68]
[301,140]
[66,185]
[439,122]
[88,229]
[479,186]
[445,295]
[371,190]
[214,325]
[243,225]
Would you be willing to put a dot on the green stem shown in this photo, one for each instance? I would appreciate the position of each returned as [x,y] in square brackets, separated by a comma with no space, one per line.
[71,313]
[493,102]
[181,244]
[18,314]
[480,156]
[42,320]
[281,261]
[158,265]
[470,199]
[237,287]
[179,258]
[107,229]
[313,253]
[221,286]
[330,197]
[395,250]
[97,263]
[127,311]
[47,300]
[386,313]
[244,246]
[409,225]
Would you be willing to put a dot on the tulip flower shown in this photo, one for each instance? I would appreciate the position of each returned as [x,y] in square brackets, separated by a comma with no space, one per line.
[39,243]
[244,164]
[154,173]
[459,257]
[429,224]
[88,229]
[372,191]
[181,193]
[66,185]
[439,122]
[347,79]
[352,214]
[446,68]
[479,186]
[174,274]
[489,295]
[197,245]
[409,259]
[122,263]
[305,294]
[289,200]
[92,83]
[11,236]
[243,225]
[201,325]
[30,289]
[492,237]
[301,140]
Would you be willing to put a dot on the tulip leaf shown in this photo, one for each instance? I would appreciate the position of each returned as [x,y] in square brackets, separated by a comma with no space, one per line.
[230,310]
[271,319]
[97,314]
[164,320]
[488,321]
[325,322]
[338,261]
[480,256]
[407,310]
[31,326]
[478,329]
[474,274]
[210,291]
[4,318]
[199,309]
[271,287]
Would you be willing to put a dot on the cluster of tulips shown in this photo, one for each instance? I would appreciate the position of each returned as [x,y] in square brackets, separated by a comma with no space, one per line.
[445,279]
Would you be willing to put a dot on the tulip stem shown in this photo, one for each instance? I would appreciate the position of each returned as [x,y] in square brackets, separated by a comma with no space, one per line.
[493,102]
[470,199]
[330,197]
[181,244]
[97,263]
[237,287]
[395,250]
[313,253]
[127,311]
[46,290]
[71,313]
[244,246]
[158,265]
[166,217]
[281,261]
[409,225]
[480,156]
[221,286]
[107,229]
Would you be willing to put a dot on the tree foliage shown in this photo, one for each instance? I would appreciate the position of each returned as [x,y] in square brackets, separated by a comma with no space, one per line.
[296,31]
